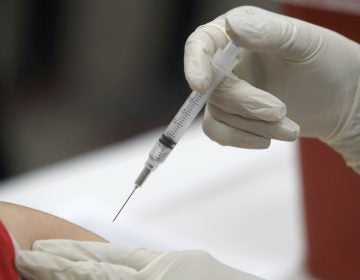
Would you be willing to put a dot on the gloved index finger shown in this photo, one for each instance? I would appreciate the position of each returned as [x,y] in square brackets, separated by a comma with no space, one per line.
[199,49]
[135,258]
[84,250]
[238,97]
[41,265]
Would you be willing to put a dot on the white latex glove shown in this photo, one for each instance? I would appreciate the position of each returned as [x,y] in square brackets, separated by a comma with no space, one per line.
[67,259]
[289,69]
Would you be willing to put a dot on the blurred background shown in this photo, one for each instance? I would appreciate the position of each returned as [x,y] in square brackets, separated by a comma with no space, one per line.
[78,75]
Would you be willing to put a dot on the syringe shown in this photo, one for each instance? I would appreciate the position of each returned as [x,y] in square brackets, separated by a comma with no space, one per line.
[223,62]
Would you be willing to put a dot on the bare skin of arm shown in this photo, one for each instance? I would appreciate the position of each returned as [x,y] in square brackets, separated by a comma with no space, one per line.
[27,225]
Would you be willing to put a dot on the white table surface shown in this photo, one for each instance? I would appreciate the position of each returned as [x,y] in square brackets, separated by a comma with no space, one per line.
[242,206]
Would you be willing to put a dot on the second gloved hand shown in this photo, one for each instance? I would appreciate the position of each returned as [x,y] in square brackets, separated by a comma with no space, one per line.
[290,73]
[67,259]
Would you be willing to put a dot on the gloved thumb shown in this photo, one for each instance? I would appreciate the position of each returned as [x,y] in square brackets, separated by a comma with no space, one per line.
[259,30]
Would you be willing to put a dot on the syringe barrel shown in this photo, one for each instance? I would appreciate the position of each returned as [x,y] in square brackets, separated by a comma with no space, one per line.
[223,63]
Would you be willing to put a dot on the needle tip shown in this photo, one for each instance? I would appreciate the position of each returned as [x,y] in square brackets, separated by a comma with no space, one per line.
[117,214]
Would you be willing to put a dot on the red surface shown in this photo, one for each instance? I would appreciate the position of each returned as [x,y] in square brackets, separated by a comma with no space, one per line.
[7,256]
[331,190]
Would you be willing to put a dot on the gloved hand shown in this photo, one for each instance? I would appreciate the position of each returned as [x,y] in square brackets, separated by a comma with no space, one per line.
[290,71]
[67,259]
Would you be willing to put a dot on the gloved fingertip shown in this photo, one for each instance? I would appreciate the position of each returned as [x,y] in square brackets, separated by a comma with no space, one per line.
[295,131]
[293,135]
[197,66]
[230,28]
[286,130]
[245,29]
[198,81]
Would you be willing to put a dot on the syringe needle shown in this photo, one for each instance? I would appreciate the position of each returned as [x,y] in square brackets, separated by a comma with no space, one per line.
[125,203]
[223,62]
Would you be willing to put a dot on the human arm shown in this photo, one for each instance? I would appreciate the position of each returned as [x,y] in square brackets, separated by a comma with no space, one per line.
[27,225]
